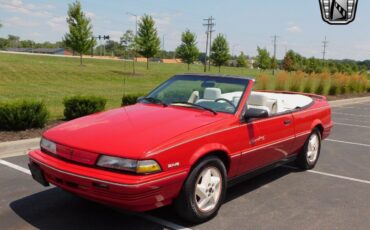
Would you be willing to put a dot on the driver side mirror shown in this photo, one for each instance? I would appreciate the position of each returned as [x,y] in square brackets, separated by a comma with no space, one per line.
[255,113]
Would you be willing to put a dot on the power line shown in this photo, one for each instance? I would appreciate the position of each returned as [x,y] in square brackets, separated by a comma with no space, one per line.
[325,45]
[209,31]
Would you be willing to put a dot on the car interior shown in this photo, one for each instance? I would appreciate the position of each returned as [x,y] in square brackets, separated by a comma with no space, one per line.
[273,103]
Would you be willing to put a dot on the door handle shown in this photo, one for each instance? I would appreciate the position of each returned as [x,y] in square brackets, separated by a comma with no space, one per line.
[287,122]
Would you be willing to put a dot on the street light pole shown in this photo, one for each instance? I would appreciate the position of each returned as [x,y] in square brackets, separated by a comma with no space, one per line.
[134,41]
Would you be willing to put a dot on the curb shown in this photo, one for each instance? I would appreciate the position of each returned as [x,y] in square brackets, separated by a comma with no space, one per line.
[21,147]
[349,101]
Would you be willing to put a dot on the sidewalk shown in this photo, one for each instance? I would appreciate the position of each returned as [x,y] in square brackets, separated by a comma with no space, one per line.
[16,148]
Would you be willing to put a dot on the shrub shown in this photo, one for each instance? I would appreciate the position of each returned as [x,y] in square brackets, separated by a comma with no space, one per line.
[296,81]
[79,106]
[309,84]
[323,81]
[334,86]
[281,80]
[130,99]
[263,81]
[21,115]
[343,84]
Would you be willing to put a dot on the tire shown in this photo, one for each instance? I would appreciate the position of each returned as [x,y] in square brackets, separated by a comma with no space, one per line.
[192,204]
[310,153]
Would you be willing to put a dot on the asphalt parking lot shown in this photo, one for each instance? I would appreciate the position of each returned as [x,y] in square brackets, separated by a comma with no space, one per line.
[335,195]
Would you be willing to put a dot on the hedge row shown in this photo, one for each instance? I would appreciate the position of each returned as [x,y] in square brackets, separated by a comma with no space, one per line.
[21,115]
[322,83]
[79,106]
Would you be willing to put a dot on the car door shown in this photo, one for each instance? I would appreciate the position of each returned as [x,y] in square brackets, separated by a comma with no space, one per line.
[267,140]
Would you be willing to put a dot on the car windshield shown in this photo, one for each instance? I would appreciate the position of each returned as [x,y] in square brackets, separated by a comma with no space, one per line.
[216,94]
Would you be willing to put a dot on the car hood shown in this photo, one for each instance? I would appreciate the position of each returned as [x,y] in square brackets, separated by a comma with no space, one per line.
[130,131]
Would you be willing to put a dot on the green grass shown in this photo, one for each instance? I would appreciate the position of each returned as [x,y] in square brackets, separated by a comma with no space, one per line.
[52,78]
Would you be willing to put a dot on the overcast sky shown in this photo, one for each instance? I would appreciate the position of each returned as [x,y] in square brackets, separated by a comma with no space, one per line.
[247,24]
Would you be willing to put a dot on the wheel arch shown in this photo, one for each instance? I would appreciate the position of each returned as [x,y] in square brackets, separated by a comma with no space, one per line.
[317,124]
[217,150]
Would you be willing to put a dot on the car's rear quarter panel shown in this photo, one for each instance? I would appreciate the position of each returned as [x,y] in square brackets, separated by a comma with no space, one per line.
[316,115]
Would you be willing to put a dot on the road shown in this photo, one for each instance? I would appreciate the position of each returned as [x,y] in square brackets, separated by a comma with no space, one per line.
[335,195]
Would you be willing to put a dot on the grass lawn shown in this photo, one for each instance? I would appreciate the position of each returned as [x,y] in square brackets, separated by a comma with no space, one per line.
[53,78]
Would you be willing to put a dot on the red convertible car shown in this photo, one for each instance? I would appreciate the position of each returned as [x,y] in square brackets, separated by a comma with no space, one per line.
[183,144]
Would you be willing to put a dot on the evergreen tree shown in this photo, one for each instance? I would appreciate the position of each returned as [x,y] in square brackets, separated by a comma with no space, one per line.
[188,50]
[147,41]
[80,37]
[241,60]
[220,51]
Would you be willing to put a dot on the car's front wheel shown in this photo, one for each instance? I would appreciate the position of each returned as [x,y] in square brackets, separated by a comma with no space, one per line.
[310,153]
[203,191]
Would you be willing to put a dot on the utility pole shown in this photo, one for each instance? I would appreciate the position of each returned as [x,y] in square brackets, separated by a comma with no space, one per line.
[325,45]
[133,66]
[275,37]
[209,32]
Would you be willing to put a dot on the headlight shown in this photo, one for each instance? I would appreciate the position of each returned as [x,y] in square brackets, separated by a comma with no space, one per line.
[48,146]
[141,167]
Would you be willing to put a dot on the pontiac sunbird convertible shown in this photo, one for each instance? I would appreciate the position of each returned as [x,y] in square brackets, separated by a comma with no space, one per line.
[183,144]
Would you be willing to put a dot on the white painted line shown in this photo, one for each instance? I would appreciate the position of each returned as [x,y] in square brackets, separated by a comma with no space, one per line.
[162,222]
[360,126]
[350,114]
[150,218]
[348,119]
[331,175]
[348,142]
[16,167]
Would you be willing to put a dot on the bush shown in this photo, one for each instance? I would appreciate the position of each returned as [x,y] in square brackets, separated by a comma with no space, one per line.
[281,80]
[296,81]
[21,115]
[79,106]
[324,79]
[263,81]
[309,84]
[130,99]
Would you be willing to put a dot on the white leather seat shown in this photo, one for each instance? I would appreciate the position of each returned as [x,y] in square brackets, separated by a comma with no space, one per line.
[258,101]
[212,93]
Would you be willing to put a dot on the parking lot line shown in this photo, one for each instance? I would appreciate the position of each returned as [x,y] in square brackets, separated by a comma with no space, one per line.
[360,126]
[150,218]
[348,119]
[350,114]
[16,167]
[348,142]
[330,175]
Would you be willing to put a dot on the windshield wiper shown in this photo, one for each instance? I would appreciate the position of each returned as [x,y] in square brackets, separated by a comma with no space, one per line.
[195,105]
[154,100]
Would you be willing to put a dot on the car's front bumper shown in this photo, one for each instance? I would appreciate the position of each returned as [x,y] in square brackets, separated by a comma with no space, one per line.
[132,192]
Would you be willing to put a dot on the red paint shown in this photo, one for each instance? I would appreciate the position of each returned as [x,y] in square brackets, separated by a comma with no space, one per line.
[168,135]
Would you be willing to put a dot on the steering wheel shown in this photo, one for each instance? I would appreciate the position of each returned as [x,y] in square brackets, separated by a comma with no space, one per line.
[227,101]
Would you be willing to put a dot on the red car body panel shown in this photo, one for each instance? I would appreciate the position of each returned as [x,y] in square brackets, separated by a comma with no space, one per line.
[176,137]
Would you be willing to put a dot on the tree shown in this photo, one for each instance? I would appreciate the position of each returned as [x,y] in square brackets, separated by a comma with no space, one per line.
[128,42]
[241,60]
[80,37]
[220,51]
[263,60]
[289,62]
[147,40]
[188,50]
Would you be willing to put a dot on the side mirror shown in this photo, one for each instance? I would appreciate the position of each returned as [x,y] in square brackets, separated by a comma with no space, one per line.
[139,99]
[255,113]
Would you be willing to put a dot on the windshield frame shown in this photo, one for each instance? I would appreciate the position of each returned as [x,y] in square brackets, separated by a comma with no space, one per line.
[244,80]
